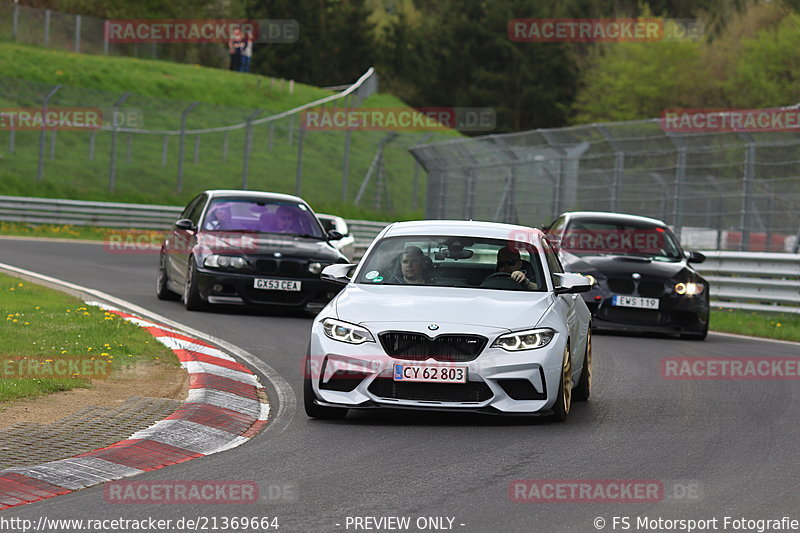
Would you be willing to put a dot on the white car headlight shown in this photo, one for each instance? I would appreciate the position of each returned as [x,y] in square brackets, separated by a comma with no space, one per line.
[225,261]
[689,288]
[346,332]
[524,340]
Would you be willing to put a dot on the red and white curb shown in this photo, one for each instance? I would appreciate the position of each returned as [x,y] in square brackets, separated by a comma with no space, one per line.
[226,407]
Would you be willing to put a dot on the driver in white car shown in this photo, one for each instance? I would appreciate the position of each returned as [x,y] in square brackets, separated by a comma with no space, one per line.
[509,261]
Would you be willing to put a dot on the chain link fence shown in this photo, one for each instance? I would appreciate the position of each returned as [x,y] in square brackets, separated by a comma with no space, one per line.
[156,149]
[85,34]
[720,191]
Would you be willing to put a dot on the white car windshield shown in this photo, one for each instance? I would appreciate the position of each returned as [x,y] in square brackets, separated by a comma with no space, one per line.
[453,261]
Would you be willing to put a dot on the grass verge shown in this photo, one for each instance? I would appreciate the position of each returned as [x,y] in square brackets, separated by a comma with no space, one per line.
[782,326]
[44,325]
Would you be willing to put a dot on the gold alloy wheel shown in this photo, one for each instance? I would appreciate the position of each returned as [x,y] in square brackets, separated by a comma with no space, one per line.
[566,381]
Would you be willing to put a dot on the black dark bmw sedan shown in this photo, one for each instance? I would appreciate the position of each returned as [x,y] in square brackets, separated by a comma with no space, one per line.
[643,280]
[248,248]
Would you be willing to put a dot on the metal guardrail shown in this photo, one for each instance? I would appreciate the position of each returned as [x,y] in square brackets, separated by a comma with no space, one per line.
[83,213]
[753,281]
[739,280]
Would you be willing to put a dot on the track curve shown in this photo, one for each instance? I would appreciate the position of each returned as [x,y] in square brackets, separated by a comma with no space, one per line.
[731,441]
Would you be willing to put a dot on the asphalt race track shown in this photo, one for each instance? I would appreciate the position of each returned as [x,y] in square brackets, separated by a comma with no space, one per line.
[721,448]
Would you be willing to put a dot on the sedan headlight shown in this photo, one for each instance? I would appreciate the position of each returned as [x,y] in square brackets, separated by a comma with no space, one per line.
[316,268]
[689,288]
[524,340]
[225,261]
[346,332]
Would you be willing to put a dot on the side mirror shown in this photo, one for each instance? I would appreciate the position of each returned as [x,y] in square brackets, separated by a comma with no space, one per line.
[695,257]
[338,273]
[334,235]
[185,224]
[572,283]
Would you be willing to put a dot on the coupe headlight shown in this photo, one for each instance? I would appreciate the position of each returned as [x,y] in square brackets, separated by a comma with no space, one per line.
[225,261]
[346,332]
[690,288]
[524,340]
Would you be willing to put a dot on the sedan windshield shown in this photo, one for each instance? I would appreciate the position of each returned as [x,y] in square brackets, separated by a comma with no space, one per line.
[453,261]
[261,216]
[599,236]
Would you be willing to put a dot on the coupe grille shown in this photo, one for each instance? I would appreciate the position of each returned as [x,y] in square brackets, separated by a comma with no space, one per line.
[472,391]
[419,347]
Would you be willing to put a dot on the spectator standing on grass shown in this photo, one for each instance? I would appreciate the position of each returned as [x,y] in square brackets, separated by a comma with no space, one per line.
[235,46]
[247,52]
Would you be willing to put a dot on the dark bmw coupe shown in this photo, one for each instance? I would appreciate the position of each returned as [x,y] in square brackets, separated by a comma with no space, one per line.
[248,248]
[643,280]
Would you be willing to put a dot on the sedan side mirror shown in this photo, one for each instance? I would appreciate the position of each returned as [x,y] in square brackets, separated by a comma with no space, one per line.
[334,235]
[185,224]
[695,257]
[338,273]
[572,283]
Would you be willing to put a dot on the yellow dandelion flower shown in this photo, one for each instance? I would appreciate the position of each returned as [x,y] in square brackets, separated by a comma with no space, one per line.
[104,354]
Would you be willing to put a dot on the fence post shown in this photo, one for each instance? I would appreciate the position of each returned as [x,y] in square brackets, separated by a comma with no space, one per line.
[77,34]
[197,149]
[11,133]
[225,146]
[271,135]
[291,129]
[112,170]
[46,27]
[43,132]
[129,148]
[415,186]
[301,134]
[745,219]
[91,144]
[105,37]
[248,142]
[164,144]
[619,167]
[346,163]
[182,141]
[15,21]
[680,177]
[52,144]
[377,160]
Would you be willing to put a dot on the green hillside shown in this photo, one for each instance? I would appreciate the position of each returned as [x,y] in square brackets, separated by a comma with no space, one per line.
[77,166]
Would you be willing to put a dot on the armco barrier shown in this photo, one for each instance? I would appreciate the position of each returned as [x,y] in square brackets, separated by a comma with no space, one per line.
[739,280]
[753,281]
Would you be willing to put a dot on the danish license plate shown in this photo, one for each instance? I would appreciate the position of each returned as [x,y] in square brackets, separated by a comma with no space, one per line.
[276,284]
[430,373]
[635,301]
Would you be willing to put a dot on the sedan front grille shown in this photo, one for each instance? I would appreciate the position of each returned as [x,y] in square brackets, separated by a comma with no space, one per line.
[621,286]
[471,391]
[419,347]
[284,267]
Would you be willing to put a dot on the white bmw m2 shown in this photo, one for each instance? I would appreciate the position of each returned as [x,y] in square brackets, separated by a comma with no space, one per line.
[454,316]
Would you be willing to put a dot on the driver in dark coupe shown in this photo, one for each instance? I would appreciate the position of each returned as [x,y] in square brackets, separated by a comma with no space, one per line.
[509,261]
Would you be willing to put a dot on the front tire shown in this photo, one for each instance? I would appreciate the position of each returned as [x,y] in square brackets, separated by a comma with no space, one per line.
[318,411]
[584,386]
[191,294]
[564,398]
